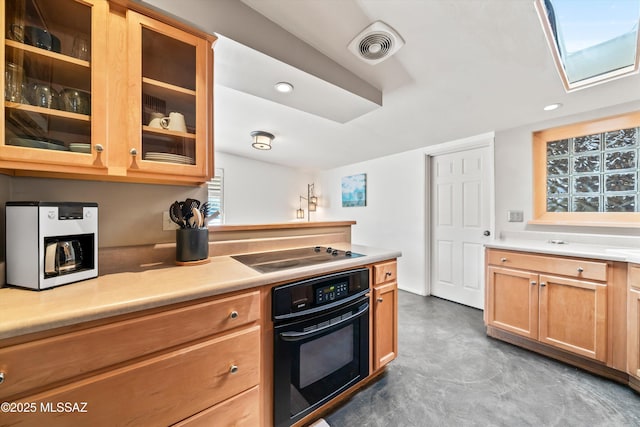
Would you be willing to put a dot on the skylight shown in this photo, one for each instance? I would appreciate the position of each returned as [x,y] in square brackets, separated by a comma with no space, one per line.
[592,41]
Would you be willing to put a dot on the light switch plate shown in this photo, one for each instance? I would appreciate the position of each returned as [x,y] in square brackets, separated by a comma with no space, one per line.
[515,216]
[167,224]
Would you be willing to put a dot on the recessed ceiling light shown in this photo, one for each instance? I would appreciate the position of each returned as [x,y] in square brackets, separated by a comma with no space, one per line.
[284,87]
[552,107]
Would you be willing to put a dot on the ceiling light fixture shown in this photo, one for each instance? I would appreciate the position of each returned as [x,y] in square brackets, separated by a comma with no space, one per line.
[262,140]
[552,107]
[284,87]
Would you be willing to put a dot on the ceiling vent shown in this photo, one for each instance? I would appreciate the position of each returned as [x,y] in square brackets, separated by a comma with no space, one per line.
[376,43]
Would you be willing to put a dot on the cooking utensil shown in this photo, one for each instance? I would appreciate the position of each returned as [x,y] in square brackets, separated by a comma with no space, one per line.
[187,209]
[196,218]
[175,212]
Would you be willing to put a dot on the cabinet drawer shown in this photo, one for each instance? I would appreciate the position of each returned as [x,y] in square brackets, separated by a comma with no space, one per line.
[242,410]
[158,391]
[50,360]
[572,267]
[634,276]
[385,272]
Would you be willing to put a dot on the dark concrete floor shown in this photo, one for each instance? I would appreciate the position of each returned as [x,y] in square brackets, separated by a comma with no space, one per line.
[449,373]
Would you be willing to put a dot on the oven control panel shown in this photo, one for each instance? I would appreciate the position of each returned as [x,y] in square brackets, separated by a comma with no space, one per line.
[296,299]
[332,292]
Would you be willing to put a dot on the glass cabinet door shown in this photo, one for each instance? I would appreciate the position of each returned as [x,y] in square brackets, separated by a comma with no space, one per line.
[51,93]
[168,80]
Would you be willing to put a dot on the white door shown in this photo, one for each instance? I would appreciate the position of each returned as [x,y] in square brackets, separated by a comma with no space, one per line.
[460,209]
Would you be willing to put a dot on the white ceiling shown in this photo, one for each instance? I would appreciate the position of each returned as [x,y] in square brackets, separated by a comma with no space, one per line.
[468,67]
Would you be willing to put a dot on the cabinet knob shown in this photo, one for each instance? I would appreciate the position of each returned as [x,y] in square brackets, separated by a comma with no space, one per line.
[233,315]
[380,299]
[133,152]
[503,259]
[1,377]
[233,369]
[533,282]
[99,148]
[543,284]
[580,269]
[388,273]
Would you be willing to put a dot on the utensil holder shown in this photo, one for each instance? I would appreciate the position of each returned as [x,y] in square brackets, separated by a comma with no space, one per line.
[192,245]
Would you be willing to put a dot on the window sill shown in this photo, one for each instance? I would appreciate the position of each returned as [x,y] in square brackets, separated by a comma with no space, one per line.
[589,219]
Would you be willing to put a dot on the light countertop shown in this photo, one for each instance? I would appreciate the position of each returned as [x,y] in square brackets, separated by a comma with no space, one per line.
[581,250]
[25,311]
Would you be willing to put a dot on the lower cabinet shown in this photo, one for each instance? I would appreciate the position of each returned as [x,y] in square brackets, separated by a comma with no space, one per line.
[204,377]
[385,314]
[569,313]
[633,337]
[242,410]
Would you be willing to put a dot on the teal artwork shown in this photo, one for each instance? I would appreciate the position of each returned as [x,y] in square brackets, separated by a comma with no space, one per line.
[354,190]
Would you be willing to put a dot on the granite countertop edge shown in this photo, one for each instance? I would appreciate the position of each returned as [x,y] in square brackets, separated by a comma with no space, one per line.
[25,311]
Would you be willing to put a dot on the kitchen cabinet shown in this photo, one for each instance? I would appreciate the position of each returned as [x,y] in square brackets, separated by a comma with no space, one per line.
[193,360]
[167,78]
[561,302]
[633,339]
[54,111]
[118,66]
[385,314]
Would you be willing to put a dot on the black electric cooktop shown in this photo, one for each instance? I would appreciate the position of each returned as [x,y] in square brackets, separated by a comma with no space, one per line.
[266,262]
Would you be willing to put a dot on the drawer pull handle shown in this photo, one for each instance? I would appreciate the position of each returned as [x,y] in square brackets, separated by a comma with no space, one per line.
[543,284]
[580,269]
[380,299]
[533,283]
[234,314]
[133,152]
[1,377]
[99,148]
[233,369]
[388,273]
[503,260]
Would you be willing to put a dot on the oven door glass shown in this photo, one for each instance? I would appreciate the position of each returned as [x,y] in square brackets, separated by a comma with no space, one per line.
[317,358]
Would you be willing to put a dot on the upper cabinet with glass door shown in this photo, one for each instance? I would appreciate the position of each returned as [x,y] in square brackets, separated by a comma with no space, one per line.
[169,130]
[53,90]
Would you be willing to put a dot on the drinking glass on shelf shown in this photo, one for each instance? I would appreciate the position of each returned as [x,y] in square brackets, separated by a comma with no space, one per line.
[13,81]
[80,48]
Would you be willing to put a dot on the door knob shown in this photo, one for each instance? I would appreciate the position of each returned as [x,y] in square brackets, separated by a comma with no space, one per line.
[487,233]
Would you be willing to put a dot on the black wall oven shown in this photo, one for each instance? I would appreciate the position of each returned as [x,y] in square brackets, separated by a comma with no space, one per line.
[321,341]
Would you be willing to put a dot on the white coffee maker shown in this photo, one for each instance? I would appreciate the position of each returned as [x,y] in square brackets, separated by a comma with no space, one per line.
[51,243]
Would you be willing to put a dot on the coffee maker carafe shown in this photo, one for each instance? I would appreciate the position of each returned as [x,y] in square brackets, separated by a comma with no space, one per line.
[51,243]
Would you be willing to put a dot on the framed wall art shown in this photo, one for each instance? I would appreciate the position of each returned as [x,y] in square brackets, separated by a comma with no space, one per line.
[354,190]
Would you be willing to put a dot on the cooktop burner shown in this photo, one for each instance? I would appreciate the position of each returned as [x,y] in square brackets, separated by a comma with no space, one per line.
[266,262]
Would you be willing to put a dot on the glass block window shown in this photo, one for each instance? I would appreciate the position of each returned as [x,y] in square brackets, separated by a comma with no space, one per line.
[594,173]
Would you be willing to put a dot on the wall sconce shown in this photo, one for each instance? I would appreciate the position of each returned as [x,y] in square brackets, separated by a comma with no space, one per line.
[312,203]
[262,140]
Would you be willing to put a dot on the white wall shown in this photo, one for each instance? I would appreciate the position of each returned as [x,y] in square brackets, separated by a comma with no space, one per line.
[259,192]
[394,215]
[514,182]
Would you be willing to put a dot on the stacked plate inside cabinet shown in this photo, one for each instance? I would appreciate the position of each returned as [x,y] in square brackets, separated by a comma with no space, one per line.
[171,158]
[80,147]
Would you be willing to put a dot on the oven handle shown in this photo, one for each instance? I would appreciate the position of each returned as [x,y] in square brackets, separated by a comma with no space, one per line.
[299,336]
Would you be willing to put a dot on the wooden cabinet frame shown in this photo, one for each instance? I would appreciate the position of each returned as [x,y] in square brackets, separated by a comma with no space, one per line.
[540,139]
